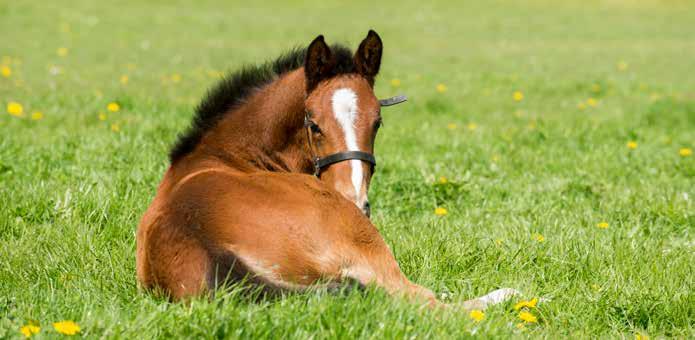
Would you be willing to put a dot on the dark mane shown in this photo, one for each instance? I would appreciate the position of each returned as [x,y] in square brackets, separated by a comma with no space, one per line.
[231,91]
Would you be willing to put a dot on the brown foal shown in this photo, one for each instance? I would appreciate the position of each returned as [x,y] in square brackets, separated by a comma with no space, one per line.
[239,199]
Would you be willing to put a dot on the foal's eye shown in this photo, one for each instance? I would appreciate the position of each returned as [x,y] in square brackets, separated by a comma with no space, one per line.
[315,128]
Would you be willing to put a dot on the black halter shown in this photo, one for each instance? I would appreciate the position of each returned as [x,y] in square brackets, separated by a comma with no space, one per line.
[322,162]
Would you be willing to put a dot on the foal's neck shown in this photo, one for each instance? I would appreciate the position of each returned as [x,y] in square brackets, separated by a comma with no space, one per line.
[266,132]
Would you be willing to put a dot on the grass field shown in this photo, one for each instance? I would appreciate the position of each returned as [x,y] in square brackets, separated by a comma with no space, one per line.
[546,121]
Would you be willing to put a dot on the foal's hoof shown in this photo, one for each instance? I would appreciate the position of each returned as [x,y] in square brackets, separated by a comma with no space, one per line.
[498,296]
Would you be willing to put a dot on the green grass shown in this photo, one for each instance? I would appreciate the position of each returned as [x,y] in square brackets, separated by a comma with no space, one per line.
[72,190]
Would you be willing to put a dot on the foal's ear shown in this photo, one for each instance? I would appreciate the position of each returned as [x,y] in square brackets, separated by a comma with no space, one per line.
[318,63]
[368,56]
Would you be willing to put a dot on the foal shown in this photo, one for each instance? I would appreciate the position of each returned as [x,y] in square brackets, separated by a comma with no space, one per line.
[239,199]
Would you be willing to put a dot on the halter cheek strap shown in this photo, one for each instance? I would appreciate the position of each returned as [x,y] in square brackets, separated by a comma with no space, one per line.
[322,162]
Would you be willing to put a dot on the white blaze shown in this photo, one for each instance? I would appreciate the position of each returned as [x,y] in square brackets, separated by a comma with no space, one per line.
[345,110]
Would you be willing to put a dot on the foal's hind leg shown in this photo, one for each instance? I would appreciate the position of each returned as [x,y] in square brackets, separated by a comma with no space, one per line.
[383,271]
[374,264]
[176,261]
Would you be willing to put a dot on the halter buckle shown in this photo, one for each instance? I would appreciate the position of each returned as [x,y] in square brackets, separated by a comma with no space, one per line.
[317,167]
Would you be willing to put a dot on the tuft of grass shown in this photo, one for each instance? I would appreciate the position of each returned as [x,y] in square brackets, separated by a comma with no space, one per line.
[548,167]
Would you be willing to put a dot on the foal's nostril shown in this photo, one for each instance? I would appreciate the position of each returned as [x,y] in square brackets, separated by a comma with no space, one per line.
[366,209]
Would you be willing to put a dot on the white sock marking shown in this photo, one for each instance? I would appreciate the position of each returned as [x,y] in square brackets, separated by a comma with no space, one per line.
[345,110]
[498,296]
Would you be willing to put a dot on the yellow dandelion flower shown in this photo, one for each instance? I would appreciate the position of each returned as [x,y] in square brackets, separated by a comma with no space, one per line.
[685,152]
[441,88]
[591,102]
[115,127]
[102,116]
[29,330]
[539,237]
[602,225]
[495,158]
[527,317]
[15,109]
[443,180]
[640,336]
[36,115]
[477,315]
[518,96]
[498,241]
[526,304]
[632,145]
[124,79]
[113,107]
[62,51]
[66,327]
[440,211]
[472,126]
[596,88]
[395,82]
[451,126]
[621,65]
[65,27]
[6,71]
[595,287]
[175,78]
[581,106]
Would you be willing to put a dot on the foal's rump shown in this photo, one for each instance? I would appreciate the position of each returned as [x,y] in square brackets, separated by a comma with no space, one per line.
[273,226]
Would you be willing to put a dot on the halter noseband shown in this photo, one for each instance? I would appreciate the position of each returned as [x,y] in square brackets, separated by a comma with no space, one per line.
[322,162]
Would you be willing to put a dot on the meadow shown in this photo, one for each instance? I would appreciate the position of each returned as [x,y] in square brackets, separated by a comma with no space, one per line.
[545,147]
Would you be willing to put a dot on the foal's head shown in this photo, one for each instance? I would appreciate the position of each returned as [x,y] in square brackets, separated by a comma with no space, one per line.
[343,114]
